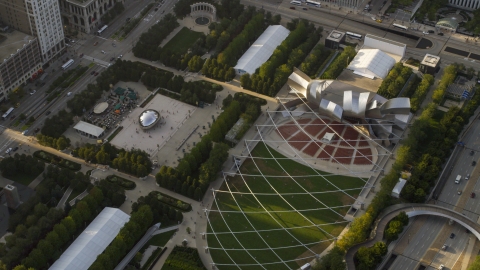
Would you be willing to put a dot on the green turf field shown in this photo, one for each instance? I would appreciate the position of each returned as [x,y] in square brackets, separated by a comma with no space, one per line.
[295,243]
[182,41]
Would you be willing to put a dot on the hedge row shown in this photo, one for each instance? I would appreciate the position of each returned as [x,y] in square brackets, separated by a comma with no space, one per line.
[421,92]
[315,60]
[339,64]
[449,74]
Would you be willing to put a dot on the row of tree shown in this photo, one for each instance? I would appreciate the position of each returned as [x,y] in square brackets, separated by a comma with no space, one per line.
[421,92]
[223,31]
[448,77]
[315,60]
[215,70]
[136,162]
[129,234]
[430,135]
[148,46]
[252,30]
[273,74]
[251,110]
[428,10]
[59,143]
[339,64]
[21,165]
[51,246]
[394,82]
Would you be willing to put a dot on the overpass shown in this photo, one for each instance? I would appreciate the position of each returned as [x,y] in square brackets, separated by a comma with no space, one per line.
[412,210]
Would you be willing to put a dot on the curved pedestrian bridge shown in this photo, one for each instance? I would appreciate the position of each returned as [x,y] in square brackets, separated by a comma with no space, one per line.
[412,210]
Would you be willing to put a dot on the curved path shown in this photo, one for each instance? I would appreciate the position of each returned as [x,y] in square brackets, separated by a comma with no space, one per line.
[411,209]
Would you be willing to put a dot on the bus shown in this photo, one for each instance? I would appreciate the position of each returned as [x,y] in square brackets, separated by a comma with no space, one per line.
[297,3]
[313,3]
[99,32]
[67,64]
[404,28]
[353,35]
[5,115]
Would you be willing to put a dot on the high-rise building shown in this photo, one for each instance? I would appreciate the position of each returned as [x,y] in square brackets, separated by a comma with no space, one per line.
[12,197]
[84,15]
[38,18]
[465,4]
[20,60]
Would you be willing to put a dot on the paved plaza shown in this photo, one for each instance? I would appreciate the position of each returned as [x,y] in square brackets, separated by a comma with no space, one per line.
[173,115]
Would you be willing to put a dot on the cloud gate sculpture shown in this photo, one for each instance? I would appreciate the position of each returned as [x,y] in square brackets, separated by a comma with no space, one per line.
[343,102]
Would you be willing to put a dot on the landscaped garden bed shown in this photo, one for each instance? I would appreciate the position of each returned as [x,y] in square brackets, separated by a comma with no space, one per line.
[126,184]
[56,160]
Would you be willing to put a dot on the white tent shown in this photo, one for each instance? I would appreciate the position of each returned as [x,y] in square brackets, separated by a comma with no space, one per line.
[88,129]
[261,50]
[372,63]
[81,254]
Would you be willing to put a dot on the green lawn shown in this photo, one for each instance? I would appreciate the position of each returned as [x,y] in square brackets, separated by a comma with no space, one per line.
[182,41]
[295,243]
[23,178]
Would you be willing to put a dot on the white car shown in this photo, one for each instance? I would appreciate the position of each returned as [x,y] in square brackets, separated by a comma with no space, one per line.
[8,150]
[425,33]
[373,18]
[69,94]
[467,176]
[33,92]
[441,267]
[24,133]
[120,56]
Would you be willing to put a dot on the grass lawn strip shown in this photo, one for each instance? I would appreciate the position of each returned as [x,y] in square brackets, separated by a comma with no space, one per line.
[271,231]
[182,41]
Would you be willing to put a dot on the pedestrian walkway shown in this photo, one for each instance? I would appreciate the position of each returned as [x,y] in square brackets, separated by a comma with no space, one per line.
[61,203]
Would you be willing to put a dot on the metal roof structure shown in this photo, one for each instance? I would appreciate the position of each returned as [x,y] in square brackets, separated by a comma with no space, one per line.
[261,49]
[372,63]
[81,254]
[148,118]
[89,129]
[447,23]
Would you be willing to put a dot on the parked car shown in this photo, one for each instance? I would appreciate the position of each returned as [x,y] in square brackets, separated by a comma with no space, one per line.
[305,8]
[292,7]
[96,73]
[472,153]
[425,33]
[15,149]
[444,247]
[25,132]
[474,163]
[103,52]
[467,176]
[440,34]
[472,195]
[33,92]
[452,235]
[120,56]
[8,150]
[431,31]
[96,43]
[69,94]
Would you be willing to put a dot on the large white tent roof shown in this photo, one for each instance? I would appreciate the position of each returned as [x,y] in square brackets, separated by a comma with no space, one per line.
[372,63]
[89,128]
[262,49]
[81,254]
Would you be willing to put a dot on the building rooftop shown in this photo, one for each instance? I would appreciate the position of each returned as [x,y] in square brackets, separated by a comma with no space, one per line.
[430,60]
[11,42]
[336,35]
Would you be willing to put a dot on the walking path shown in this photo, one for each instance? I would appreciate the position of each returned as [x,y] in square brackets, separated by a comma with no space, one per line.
[64,198]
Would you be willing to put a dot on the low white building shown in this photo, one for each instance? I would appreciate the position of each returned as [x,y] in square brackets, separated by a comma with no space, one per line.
[89,130]
[81,254]
[261,49]
[371,63]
